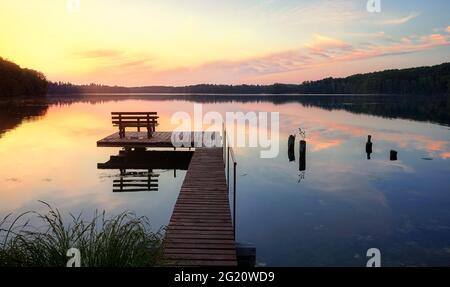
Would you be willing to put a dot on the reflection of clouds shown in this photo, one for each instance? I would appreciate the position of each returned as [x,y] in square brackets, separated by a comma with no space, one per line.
[319,143]
[349,182]
[66,137]
[331,129]
[445,155]
[326,129]
[381,166]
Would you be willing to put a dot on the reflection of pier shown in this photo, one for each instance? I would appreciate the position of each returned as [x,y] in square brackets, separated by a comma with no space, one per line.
[200,232]
[144,160]
[148,160]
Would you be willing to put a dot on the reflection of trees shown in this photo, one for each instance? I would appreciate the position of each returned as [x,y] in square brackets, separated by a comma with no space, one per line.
[13,114]
[421,108]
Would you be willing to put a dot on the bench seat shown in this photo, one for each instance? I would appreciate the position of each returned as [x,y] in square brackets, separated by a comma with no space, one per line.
[138,120]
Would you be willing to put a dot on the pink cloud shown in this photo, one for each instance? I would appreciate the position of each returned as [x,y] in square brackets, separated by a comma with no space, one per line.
[326,44]
[322,51]
[401,20]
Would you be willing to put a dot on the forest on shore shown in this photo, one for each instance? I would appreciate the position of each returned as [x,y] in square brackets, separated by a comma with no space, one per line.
[18,82]
[422,80]
[21,82]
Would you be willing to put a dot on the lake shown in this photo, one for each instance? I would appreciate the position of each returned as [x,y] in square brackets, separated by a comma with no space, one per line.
[329,214]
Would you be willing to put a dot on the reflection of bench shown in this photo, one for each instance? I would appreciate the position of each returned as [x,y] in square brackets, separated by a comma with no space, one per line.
[137,120]
[136,182]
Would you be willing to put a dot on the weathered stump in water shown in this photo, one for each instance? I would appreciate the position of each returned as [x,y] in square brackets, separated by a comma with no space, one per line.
[291,148]
[302,155]
[393,155]
[369,146]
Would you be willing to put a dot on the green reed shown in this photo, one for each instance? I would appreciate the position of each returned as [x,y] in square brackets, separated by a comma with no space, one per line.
[125,240]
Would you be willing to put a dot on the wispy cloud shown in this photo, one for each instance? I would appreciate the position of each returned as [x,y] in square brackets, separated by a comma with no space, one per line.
[401,20]
[320,52]
[98,53]
[327,44]
[107,59]
[306,12]
[448,29]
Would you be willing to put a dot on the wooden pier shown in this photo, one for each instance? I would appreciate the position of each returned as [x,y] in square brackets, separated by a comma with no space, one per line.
[200,232]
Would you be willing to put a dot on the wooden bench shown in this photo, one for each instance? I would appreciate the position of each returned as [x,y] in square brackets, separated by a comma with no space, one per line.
[137,120]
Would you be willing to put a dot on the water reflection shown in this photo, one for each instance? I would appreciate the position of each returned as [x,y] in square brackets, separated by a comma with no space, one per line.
[136,181]
[143,163]
[429,108]
[12,114]
[344,206]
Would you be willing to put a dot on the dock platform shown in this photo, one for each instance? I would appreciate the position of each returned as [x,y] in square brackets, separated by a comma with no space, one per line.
[158,139]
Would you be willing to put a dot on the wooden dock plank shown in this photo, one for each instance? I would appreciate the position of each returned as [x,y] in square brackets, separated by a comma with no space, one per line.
[200,232]
[158,139]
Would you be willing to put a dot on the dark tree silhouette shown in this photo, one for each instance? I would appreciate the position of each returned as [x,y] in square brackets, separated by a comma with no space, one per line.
[17,82]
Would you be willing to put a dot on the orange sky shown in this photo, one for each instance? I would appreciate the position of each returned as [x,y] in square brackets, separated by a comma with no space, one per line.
[167,42]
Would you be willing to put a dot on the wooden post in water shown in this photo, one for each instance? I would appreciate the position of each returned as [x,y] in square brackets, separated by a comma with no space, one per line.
[393,155]
[369,146]
[302,155]
[291,148]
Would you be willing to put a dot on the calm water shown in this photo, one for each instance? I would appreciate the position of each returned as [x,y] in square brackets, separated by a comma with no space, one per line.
[328,215]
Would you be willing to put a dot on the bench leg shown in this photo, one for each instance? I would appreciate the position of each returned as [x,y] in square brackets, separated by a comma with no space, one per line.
[149,132]
[122,133]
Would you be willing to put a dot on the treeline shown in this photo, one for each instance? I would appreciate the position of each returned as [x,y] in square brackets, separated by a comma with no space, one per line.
[423,80]
[68,88]
[17,82]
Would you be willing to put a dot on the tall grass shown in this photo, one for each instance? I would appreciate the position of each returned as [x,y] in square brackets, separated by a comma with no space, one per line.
[121,241]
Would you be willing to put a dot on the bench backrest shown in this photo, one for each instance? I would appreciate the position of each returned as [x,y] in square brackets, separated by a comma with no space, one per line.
[130,118]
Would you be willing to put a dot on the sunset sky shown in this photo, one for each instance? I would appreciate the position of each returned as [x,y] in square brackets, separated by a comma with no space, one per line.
[179,42]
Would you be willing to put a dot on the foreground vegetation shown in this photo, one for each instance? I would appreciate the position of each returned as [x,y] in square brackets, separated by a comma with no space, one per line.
[17,82]
[121,241]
